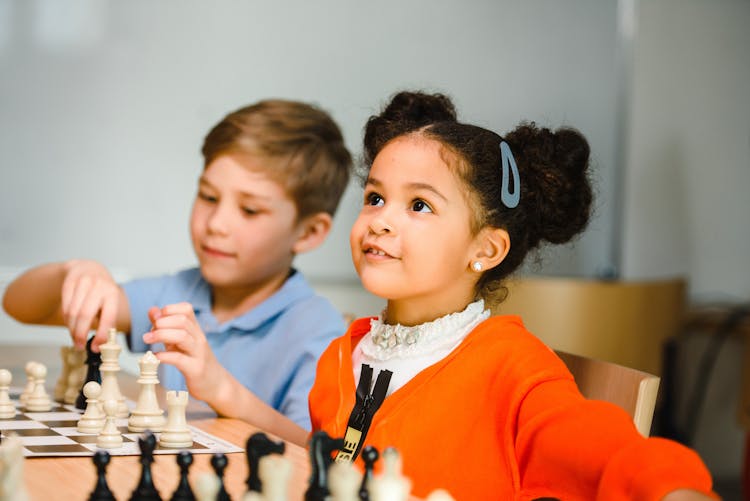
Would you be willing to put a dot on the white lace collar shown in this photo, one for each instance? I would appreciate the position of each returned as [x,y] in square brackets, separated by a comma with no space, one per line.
[385,341]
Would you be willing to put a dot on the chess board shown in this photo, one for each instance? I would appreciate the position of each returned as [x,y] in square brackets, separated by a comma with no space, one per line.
[54,433]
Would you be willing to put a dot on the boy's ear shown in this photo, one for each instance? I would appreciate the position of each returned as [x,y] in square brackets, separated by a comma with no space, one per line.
[312,231]
[493,244]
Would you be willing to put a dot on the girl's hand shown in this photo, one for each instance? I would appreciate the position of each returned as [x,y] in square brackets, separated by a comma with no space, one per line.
[686,495]
[88,300]
[187,349]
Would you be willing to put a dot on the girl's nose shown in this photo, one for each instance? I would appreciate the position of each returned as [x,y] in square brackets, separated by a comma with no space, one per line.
[379,225]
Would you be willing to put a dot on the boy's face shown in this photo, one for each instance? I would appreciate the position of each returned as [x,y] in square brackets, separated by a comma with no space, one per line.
[243,224]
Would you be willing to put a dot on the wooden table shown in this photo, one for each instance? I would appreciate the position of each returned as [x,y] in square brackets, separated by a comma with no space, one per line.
[73,478]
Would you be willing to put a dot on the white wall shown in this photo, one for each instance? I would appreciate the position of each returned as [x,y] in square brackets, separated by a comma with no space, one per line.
[687,198]
[104,104]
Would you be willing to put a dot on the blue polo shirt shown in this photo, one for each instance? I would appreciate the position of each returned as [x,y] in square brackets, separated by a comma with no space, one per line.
[272,349]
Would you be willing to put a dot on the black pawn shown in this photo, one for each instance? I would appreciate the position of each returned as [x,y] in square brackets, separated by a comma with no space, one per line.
[183,491]
[101,492]
[219,462]
[146,491]
[93,361]
[369,456]
[321,450]
[259,445]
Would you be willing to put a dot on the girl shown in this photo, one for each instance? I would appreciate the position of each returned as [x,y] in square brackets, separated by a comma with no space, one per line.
[475,404]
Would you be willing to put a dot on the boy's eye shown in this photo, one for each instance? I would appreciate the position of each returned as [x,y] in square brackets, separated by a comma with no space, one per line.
[374,199]
[205,196]
[420,206]
[249,211]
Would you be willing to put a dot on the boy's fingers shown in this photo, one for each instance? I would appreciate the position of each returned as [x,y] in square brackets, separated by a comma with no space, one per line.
[79,294]
[154,313]
[107,317]
[178,308]
[176,337]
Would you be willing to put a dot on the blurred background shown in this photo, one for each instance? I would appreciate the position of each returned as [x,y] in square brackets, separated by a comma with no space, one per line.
[104,105]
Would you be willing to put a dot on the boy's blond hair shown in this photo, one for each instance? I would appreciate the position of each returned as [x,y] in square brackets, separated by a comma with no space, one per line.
[300,145]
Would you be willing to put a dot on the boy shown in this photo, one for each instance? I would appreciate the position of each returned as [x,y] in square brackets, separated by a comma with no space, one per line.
[273,175]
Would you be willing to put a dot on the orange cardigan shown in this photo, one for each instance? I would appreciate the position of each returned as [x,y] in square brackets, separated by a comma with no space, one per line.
[501,418]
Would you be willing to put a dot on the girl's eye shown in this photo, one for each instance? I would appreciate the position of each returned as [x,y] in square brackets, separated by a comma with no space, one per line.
[208,198]
[249,211]
[420,206]
[374,199]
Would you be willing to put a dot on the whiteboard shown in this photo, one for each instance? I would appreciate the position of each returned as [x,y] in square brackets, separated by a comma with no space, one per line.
[104,105]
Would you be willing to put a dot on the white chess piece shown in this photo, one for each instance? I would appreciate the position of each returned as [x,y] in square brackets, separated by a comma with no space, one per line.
[29,383]
[61,385]
[110,436]
[391,485]
[274,471]
[76,374]
[7,407]
[440,495]
[110,367]
[11,469]
[147,414]
[39,400]
[344,481]
[93,419]
[207,487]
[176,434]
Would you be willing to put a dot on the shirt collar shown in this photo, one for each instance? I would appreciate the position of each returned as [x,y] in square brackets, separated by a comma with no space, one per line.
[292,290]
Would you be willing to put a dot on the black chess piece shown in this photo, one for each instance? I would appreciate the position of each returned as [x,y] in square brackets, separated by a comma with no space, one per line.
[219,462]
[146,491]
[183,491]
[259,445]
[93,361]
[369,455]
[101,491]
[321,449]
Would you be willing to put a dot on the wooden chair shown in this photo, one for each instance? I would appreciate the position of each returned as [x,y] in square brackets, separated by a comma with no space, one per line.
[633,390]
[618,321]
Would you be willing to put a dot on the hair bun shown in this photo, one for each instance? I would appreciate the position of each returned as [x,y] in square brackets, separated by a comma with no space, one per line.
[556,180]
[419,109]
[405,113]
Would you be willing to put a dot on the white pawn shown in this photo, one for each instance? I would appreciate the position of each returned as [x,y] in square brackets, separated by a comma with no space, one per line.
[93,418]
[7,408]
[344,481]
[39,400]
[147,414]
[11,469]
[440,495]
[176,434]
[207,487]
[274,471]
[110,436]
[29,383]
[391,485]
[61,385]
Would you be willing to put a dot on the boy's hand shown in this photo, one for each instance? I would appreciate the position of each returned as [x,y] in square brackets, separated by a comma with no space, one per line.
[187,349]
[89,300]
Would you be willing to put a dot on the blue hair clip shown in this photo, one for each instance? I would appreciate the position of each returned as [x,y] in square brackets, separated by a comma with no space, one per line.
[509,164]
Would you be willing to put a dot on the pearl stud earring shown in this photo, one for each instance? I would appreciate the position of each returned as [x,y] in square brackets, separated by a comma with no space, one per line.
[476,266]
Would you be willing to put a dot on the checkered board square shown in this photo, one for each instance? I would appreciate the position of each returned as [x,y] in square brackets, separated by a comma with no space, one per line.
[54,433]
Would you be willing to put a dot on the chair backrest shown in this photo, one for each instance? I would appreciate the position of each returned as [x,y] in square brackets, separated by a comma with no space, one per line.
[633,390]
[618,321]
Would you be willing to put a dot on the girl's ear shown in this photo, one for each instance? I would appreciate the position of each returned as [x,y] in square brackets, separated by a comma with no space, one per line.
[312,231]
[493,244]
